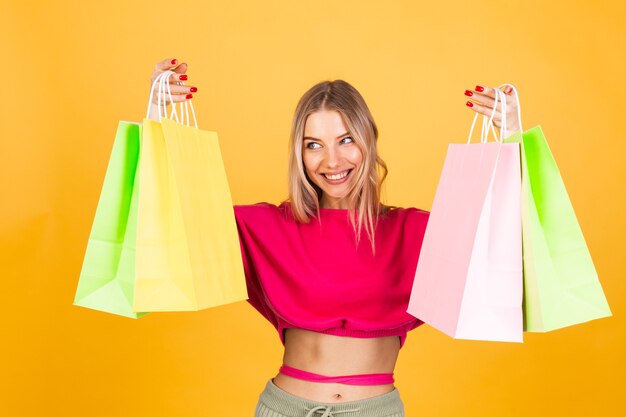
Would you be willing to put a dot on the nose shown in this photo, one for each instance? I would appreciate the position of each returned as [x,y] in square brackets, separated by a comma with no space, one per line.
[333,157]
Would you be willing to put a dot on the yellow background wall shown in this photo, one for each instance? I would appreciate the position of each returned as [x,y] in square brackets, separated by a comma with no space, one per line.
[73,69]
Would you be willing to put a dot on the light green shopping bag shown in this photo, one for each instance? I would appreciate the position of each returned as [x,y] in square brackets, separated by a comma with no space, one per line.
[561,286]
[107,278]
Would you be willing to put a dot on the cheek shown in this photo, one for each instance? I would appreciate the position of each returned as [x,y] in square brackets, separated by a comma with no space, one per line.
[310,164]
[356,157]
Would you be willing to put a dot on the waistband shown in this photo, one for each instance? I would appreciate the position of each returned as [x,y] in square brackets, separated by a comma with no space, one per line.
[290,405]
[361,379]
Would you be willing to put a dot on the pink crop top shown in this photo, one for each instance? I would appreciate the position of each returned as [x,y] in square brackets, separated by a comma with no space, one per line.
[312,276]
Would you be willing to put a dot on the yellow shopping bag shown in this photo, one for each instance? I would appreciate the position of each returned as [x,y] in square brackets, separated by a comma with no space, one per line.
[188,252]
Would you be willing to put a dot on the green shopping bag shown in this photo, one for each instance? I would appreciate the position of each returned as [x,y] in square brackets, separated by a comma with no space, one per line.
[561,286]
[107,277]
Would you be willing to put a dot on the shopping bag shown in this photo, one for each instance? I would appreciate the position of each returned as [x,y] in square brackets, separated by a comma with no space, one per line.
[106,280]
[188,250]
[468,280]
[561,286]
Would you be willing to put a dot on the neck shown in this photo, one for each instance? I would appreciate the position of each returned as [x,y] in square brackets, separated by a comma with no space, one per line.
[335,204]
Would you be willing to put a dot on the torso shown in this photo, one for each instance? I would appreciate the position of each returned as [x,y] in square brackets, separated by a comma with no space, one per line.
[335,355]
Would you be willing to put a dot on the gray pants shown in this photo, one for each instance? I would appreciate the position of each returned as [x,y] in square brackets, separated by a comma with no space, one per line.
[275,402]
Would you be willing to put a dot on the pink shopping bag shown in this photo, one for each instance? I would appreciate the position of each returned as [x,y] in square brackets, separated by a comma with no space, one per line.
[468,282]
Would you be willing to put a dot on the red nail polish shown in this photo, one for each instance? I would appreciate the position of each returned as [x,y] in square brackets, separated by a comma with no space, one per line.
[479,88]
[193,89]
[509,90]
[189,96]
[468,93]
[173,62]
[183,77]
[469,104]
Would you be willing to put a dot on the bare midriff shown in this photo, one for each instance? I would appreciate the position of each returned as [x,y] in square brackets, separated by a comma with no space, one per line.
[336,355]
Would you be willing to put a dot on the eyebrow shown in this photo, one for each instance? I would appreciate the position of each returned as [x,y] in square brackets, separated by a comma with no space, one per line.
[310,138]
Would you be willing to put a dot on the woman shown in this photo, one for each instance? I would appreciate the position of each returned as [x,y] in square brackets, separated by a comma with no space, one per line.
[339,305]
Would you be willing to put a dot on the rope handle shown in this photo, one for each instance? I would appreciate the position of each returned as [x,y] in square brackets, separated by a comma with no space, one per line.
[162,80]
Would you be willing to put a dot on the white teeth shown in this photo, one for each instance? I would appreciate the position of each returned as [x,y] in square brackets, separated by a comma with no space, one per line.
[336,177]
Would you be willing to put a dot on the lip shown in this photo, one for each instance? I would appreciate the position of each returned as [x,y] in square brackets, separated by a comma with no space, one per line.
[339,181]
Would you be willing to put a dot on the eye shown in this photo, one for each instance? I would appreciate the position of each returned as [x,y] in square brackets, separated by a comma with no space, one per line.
[308,145]
[348,137]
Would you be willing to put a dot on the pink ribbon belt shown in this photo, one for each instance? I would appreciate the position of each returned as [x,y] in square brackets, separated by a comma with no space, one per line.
[362,379]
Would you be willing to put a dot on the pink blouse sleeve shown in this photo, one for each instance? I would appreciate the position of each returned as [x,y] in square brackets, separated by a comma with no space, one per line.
[255,292]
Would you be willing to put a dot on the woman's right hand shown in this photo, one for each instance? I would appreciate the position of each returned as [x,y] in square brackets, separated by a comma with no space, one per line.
[179,92]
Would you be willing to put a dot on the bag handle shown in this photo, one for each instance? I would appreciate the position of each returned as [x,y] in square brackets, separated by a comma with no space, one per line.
[519,109]
[484,134]
[163,82]
[500,97]
[157,81]
[184,104]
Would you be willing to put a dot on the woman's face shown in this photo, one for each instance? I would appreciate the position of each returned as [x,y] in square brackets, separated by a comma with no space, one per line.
[328,150]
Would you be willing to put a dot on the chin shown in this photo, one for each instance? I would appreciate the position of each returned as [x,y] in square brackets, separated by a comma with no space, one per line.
[334,196]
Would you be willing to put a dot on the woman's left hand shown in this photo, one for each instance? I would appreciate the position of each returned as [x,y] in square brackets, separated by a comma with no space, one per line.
[482,99]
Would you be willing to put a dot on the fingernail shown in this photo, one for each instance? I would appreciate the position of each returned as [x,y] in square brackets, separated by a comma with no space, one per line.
[479,88]
[183,77]
[189,96]
[468,93]
[173,62]
[469,104]
[193,89]
[509,90]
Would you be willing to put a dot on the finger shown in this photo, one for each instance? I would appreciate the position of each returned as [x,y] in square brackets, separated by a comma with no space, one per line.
[175,77]
[172,78]
[511,102]
[482,90]
[482,95]
[484,110]
[181,69]
[486,95]
[166,64]
[482,101]
[180,89]
[176,98]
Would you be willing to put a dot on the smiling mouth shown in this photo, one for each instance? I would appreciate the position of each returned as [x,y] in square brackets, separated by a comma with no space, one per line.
[338,177]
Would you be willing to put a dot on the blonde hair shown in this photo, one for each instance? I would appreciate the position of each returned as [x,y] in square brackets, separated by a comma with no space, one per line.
[304,194]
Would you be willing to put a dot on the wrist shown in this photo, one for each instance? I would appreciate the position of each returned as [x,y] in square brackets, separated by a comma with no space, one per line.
[512,130]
